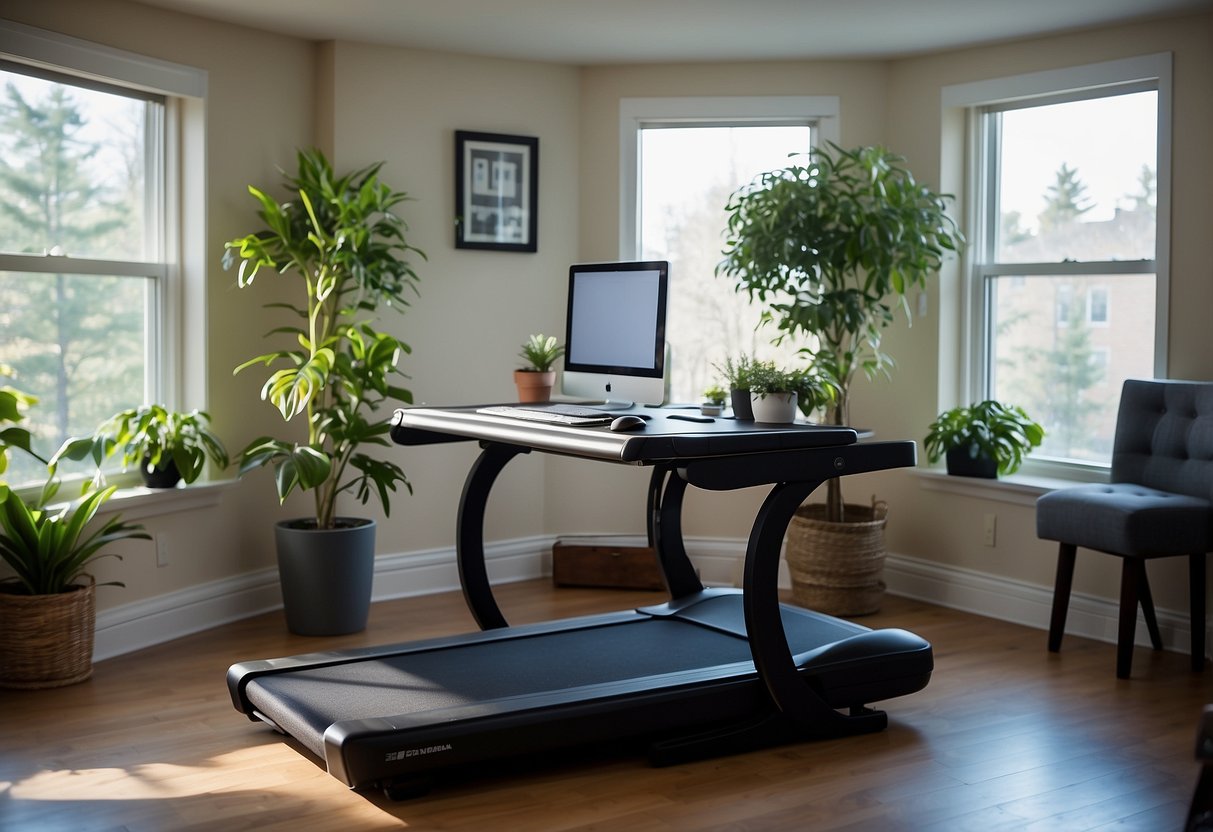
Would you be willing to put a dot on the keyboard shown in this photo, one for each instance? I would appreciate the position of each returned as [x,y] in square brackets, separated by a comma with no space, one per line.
[552,414]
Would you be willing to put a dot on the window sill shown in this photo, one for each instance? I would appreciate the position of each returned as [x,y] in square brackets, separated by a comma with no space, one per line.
[1018,489]
[139,503]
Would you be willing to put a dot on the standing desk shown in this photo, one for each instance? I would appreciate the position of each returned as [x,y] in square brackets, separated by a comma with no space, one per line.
[711,671]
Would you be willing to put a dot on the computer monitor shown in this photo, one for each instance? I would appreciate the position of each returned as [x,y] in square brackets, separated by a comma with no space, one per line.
[615,333]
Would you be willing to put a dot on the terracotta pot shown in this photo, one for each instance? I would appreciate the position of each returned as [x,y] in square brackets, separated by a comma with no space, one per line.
[533,386]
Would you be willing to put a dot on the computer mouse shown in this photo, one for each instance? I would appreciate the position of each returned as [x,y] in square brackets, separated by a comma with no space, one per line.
[627,423]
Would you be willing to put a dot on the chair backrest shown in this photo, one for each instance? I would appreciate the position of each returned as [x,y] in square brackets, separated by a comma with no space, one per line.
[1164,436]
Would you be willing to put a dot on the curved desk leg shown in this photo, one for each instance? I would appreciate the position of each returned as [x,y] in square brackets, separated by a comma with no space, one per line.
[792,697]
[469,534]
[796,712]
[665,534]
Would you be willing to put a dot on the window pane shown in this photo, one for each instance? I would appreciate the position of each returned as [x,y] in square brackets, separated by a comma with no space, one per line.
[1077,180]
[77,342]
[72,171]
[1050,357]
[686,177]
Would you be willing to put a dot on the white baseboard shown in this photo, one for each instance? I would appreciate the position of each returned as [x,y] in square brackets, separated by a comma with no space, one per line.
[718,560]
[156,620]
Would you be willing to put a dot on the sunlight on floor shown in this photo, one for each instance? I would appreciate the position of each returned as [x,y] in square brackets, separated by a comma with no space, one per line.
[152,781]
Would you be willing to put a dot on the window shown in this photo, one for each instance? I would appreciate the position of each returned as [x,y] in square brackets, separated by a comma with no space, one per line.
[670,215]
[1066,186]
[89,236]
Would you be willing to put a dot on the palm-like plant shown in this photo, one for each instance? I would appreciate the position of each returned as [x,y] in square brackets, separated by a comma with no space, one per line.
[832,244]
[340,237]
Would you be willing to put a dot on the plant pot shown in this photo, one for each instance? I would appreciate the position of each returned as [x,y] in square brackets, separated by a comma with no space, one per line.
[960,464]
[838,568]
[533,386]
[740,399]
[326,575]
[165,476]
[46,641]
[774,408]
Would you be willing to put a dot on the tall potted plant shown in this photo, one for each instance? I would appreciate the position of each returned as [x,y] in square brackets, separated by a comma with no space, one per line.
[48,608]
[832,244]
[340,239]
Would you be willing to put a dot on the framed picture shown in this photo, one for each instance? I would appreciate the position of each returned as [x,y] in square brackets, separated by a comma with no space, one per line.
[496,191]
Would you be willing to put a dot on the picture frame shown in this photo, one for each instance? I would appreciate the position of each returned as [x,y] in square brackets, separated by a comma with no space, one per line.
[496,191]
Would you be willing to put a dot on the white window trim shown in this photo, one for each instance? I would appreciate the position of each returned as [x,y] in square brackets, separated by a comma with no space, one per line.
[180,342]
[635,114]
[959,103]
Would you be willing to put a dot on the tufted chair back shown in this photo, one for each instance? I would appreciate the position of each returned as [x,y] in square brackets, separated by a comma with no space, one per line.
[1164,436]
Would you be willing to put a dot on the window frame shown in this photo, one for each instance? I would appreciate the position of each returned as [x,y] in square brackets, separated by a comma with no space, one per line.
[967,105]
[177,352]
[820,112]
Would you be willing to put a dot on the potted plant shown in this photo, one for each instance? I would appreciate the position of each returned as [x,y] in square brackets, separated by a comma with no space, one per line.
[832,244]
[776,393]
[714,397]
[983,440]
[168,446]
[737,376]
[48,608]
[536,379]
[340,240]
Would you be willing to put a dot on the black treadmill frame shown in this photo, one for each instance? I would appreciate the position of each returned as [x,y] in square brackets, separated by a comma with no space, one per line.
[793,460]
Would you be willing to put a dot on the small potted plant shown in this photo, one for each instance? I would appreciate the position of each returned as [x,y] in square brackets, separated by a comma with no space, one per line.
[168,446]
[536,379]
[775,393]
[983,440]
[48,608]
[737,377]
[713,400]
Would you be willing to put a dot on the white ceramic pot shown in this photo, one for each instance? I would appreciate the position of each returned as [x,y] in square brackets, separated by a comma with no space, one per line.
[774,408]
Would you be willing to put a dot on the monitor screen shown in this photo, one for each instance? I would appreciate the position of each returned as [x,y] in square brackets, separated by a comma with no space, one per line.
[615,332]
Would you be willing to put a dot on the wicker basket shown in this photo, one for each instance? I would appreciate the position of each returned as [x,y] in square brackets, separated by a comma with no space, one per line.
[46,641]
[838,568]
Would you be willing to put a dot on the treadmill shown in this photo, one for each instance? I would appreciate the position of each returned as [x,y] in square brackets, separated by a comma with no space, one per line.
[712,671]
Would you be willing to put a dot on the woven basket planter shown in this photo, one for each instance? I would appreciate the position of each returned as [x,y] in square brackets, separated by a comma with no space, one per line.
[46,641]
[838,568]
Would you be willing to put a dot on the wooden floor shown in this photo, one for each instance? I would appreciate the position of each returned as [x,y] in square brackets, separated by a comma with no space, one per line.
[1006,736]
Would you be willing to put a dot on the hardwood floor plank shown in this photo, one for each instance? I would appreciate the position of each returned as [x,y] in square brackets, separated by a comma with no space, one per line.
[1006,736]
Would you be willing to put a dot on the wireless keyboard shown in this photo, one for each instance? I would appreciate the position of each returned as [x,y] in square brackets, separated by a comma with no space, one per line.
[555,414]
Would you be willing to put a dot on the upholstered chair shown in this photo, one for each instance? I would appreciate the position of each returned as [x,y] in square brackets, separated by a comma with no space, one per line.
[1156,505]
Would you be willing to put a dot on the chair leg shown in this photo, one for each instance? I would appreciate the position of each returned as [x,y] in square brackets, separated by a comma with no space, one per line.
[1066,555]
[1147,607]
[1196,605]
[1131,572]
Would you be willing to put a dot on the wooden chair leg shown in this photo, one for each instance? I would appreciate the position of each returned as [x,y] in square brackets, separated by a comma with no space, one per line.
[1196,606]
[1147,607]
[1066,555]
[1131,572]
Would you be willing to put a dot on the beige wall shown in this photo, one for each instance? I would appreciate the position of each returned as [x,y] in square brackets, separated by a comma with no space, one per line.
[271,94]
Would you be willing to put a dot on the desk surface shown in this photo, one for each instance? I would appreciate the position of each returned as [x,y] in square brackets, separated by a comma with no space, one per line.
[663,438]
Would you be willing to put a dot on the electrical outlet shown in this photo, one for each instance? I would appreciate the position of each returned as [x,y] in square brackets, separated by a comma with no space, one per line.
[162,550]
[989,528]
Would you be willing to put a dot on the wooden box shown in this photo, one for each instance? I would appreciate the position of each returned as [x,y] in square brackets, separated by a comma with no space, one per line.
[615,567]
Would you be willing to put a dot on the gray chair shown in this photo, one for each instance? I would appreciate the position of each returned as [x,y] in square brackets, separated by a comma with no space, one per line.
[1157,505]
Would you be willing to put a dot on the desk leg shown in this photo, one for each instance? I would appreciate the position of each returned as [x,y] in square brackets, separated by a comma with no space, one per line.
[792,697]
[469,534]
[665,533]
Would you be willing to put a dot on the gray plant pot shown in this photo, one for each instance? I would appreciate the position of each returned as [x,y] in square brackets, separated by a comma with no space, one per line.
[326,575]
